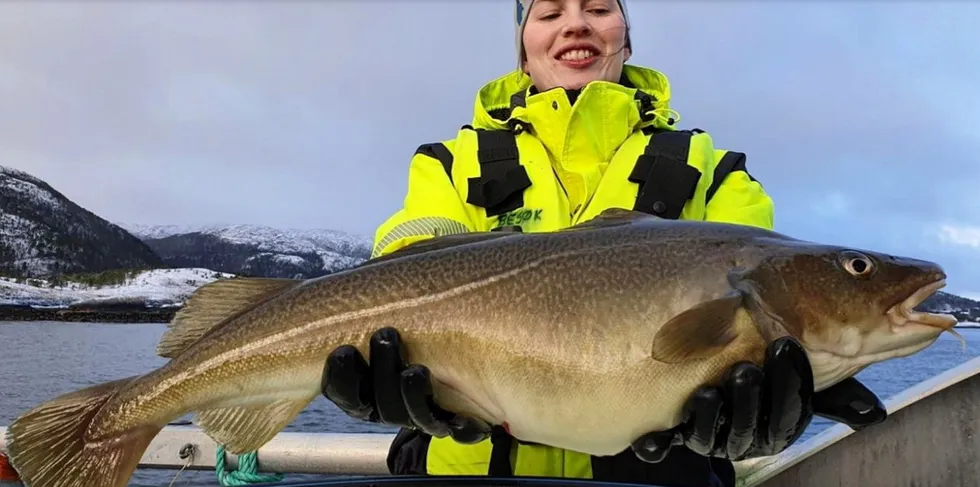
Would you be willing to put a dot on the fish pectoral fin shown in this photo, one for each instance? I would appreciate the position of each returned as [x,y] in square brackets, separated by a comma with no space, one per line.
[244,429]
[699,332]
[212,304]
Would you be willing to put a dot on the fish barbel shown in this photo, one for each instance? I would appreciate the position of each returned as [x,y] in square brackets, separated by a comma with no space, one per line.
[585,338]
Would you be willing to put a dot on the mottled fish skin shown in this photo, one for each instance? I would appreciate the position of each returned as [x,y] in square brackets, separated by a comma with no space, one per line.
[479,318]
[509,325]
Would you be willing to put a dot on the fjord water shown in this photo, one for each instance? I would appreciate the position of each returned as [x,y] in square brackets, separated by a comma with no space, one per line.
[40,360]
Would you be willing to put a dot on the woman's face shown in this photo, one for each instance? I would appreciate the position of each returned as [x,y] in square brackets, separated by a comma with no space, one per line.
[569,43]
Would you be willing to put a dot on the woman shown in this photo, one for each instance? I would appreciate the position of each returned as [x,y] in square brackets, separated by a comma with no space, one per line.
[574,131]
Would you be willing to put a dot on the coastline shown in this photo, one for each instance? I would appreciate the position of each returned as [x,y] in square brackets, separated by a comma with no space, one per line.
[90,314]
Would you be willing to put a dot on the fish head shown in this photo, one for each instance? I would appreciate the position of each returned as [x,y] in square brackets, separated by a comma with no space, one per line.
[848,307]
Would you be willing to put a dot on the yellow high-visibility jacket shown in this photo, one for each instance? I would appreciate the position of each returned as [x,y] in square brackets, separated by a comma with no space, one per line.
[544,162]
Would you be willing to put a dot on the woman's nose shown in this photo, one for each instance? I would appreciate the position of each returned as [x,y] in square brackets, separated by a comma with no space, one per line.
[576,25]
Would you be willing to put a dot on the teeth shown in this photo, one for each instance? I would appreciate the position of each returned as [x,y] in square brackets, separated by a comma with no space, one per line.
[577,54]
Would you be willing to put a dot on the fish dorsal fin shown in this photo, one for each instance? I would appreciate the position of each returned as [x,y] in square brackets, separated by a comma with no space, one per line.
[212,304]
[612,217]
[442,242]
[699,332]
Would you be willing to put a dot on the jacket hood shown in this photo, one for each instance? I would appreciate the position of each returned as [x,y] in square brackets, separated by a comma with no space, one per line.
[651,89]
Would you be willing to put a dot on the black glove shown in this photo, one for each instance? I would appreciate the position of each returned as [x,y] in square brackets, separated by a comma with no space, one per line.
[762,411]
[391,392]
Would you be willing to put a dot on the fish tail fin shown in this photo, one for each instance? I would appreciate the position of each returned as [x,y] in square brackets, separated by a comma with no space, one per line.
[49,446]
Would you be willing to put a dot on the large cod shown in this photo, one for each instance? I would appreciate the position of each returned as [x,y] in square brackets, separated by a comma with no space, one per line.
[617,320]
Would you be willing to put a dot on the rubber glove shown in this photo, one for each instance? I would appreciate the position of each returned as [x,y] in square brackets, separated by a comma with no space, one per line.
[391,392]
[762,411]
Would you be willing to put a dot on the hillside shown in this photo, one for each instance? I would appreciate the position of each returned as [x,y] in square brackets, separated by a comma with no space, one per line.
[967,311]
[255,250]
[116,296]
[43,233]
[149,288]
[61,261]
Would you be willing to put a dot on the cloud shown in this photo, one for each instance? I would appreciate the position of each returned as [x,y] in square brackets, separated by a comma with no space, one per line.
[968,236]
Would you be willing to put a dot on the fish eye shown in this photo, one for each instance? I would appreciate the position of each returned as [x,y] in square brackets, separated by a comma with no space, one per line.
[856,263]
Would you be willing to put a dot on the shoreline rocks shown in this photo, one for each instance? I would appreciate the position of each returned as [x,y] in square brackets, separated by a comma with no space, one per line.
[90,314]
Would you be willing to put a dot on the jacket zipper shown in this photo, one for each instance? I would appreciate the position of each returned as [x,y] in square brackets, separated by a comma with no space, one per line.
[572,211]
[560,184]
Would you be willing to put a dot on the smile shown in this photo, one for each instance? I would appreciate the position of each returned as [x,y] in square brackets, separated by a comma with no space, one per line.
[577,55]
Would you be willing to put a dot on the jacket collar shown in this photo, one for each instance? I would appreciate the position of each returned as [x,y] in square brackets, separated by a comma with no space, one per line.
[609,113]
[642,94]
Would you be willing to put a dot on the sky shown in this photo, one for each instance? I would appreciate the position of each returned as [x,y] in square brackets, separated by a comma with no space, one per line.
[283,113]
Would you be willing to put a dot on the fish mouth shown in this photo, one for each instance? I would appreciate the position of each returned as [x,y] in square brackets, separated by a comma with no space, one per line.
[903,314]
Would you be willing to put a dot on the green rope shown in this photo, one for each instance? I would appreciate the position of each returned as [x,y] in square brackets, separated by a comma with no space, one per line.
[247,473]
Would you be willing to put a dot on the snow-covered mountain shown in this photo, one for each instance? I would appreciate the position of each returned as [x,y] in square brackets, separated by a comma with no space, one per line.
[44,233]
[150,288]
[255,250]
[45,238]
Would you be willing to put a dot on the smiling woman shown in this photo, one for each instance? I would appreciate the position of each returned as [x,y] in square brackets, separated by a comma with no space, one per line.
[569,44]
[571,132]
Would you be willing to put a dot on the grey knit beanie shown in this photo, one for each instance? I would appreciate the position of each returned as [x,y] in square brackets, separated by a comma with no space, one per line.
[521,7]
